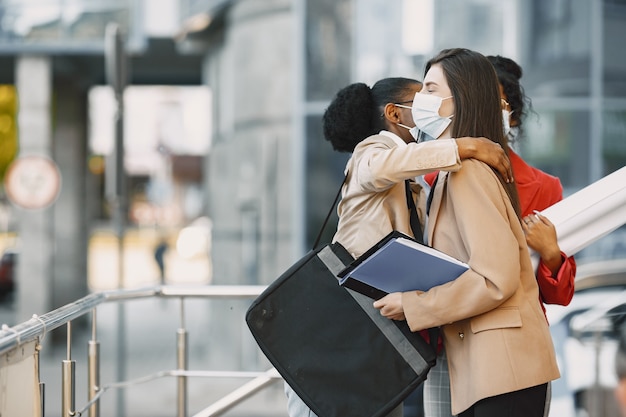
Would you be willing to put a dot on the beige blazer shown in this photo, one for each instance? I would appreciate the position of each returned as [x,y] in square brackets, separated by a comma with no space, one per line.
[495,334]
[373,199]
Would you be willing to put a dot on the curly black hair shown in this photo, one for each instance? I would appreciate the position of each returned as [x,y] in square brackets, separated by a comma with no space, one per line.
[509,73]
[356,112]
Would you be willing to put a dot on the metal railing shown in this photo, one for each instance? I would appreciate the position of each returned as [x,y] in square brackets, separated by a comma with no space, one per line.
[35,329]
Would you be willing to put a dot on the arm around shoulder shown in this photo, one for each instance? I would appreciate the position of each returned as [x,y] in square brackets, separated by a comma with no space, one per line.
[380,163]
[488,152]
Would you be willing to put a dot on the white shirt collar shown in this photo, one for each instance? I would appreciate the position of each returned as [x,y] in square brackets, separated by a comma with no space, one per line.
[397,139]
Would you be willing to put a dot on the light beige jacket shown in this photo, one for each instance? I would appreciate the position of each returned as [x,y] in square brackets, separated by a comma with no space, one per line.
[374,199]
[495,334]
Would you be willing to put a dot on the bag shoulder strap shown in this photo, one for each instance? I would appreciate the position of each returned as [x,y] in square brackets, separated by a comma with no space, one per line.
[319,235]
[415,223]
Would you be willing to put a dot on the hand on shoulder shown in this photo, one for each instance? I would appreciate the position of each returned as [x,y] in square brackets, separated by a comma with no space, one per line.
[488,152]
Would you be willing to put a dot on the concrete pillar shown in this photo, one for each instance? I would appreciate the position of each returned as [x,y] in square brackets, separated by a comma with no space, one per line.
[248,170]
[35,227]
[70,215]
[266,172]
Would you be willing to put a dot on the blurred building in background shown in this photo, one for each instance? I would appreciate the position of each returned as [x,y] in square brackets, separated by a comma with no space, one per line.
[53,53]
[223,120]
[273,67]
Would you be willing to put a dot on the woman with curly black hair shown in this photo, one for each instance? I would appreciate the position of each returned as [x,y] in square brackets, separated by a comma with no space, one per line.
[376,125]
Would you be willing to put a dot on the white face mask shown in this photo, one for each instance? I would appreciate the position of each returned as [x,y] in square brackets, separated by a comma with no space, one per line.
[513,134]
[423,137]
[414,131]
[417,134]
[426,116]
[506,121]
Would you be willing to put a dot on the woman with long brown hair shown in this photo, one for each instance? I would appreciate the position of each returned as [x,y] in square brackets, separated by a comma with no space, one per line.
[495,335]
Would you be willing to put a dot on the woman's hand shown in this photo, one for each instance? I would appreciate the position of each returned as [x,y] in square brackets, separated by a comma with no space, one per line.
[390,306]
[488,152]
[541,237]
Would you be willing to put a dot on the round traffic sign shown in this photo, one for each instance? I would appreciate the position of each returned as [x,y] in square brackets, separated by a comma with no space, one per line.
[32,182]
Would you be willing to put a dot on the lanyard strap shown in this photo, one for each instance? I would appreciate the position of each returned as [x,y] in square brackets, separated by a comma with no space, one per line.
[416,226]
[430,195]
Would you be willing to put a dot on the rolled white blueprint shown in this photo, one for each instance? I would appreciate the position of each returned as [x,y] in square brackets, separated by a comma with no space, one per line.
[589,214]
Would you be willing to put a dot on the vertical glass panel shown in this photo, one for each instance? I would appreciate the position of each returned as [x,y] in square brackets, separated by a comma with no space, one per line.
[323,178]
[328,65]
[561,30]
[557,142]
[614,56]
[250,244]
[328,47]
[379,46]
[614,140]
[559,48]
[471,24]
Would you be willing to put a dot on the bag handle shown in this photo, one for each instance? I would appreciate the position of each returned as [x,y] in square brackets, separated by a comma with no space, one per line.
[319,235]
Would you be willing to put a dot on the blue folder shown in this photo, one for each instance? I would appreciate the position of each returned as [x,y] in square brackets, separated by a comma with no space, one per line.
[398,264]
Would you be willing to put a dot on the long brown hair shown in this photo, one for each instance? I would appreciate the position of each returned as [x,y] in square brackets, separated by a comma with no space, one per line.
[477,107]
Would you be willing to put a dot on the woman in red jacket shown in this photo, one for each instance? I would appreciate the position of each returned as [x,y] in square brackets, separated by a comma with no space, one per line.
[537,191]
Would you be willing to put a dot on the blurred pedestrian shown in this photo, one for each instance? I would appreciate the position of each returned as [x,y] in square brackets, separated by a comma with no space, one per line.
[159,257]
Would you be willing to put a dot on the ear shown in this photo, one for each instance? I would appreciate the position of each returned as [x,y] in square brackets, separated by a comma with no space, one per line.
[391,113]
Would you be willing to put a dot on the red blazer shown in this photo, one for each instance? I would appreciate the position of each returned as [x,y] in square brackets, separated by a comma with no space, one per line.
[537,191]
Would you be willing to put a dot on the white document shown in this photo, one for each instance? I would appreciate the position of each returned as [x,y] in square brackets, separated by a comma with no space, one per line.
[589,214]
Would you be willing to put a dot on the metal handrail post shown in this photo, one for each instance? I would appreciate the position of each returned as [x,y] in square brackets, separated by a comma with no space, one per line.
[93,373]
[181,362]
[68,378]
[181,336]
[42,393]
[41,385]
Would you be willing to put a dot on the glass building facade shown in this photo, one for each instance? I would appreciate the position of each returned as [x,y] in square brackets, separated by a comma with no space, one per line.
[62,26]
[574,73]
